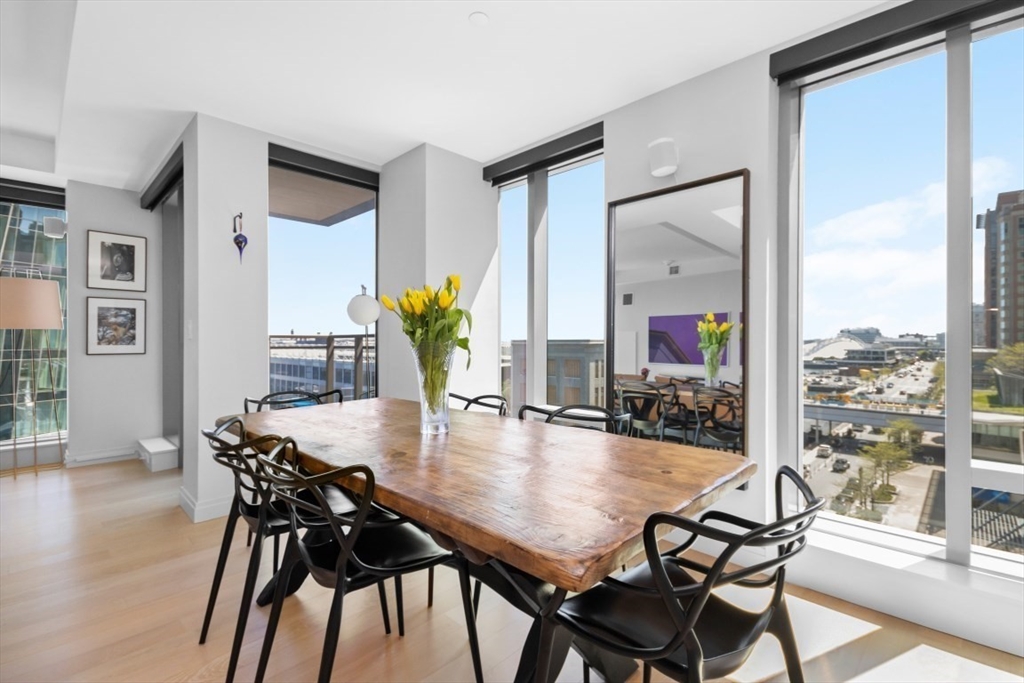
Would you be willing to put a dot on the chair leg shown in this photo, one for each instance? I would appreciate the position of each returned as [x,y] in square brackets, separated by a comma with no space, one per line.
[243,608]
[647,672]
[290,561]
[476,597]
[248,539]
[277,550]
[218,574]
[399,606]
[384,607]
[430,587]
[782,628]
[467,606]
[333,633]
[586,673]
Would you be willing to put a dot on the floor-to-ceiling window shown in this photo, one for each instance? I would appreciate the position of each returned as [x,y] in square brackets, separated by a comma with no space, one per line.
[322,252]
[552,284]
[912,358]
[33,363]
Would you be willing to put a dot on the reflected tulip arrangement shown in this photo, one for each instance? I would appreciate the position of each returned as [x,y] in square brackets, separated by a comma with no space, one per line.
[713,338]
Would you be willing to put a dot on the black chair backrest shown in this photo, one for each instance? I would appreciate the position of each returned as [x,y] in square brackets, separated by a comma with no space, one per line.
[309,508]
[295,398]
[589,416]
[646,402]
[788,534]
[251,487]
[718,407]
[490,401]
[527,408]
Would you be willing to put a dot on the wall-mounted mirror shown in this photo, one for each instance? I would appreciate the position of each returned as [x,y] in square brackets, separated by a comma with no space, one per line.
[675,255]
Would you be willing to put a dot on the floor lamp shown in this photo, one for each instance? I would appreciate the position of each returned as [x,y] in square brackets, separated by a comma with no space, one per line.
[364,310]
[31,304]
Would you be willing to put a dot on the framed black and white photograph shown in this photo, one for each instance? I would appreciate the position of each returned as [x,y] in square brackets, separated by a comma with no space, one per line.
[116,262]
[116,326]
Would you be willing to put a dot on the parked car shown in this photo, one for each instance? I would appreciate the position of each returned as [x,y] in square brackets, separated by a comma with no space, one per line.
[889,385]
[840,465]
[824,451]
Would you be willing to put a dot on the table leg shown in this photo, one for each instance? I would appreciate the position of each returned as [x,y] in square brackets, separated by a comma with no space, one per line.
[561,639]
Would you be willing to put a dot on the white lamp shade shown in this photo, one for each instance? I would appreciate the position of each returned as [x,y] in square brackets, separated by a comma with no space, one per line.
[27,304]
[663,156]
[363,309]
[54,227]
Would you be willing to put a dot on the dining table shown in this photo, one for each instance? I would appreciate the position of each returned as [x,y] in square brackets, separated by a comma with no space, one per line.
[564,505]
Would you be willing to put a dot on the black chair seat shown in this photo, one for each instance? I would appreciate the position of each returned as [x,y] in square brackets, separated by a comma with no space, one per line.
[640,620]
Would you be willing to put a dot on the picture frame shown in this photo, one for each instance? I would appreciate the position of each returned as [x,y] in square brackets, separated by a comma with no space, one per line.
[116,262]
[115,326]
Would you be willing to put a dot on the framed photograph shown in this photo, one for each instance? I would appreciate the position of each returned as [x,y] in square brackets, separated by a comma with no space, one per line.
[116,262]
[115,326]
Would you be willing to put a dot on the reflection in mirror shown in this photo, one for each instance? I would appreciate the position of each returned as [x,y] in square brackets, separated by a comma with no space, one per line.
[675,256]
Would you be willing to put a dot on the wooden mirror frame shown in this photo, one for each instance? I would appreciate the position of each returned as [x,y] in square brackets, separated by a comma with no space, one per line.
[610,301]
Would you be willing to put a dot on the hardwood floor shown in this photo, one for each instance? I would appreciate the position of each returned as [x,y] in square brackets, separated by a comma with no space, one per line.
[104,578]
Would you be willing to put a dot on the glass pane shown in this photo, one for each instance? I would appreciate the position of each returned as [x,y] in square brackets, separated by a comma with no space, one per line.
[322,250]
[997,384]
[576,299]
[874,306]
[27,388]
[514,232]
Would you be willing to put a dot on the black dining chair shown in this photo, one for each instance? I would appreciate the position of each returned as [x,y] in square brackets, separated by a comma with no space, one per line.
[254,504]
[668,612]
[719,418]
[648,404]
[533,412]
[280,400]
[493,402]
[348,551]
[592,417]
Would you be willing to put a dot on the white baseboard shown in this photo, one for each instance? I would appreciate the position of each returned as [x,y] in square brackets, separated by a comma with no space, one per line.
[99,457]
[205,511]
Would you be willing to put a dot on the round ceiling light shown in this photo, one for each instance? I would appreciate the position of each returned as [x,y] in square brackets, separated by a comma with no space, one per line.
[479,19]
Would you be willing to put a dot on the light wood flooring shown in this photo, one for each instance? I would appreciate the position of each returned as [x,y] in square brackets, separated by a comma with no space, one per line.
[104,578]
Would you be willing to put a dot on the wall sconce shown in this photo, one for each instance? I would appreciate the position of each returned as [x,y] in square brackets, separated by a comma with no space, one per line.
[663,156]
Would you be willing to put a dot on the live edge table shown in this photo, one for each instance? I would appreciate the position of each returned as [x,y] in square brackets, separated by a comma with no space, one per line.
[564,505]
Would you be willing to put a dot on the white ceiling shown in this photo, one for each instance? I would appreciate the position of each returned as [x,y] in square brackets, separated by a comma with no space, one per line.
[370,80]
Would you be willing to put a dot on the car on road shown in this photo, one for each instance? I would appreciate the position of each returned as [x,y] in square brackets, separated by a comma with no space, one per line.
[840,465]
[889,385]
[824,451]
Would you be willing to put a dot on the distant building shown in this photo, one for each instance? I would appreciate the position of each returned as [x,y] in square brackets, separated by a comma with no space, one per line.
[876,355]
[977,325]
[868,335]
[575,372]
[1004,270]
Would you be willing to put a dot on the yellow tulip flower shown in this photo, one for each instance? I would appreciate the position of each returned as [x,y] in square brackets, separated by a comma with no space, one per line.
[725,327]
[701,325]
[404,303]
[710,317]
[456,281]
[429,291]
[713,327]
[444,299]
[388,303]
[417,304]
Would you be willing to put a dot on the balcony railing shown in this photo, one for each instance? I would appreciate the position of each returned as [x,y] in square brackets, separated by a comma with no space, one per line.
[324,363]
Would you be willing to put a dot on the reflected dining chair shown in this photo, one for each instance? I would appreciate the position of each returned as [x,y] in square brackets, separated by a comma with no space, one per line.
[592,417]
[347,551]
[280,400]
[669,612]
[493,402]
[648,404]
[719,418]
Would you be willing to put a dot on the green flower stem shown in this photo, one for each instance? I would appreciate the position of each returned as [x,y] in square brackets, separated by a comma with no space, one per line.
[712,360]
[434,364]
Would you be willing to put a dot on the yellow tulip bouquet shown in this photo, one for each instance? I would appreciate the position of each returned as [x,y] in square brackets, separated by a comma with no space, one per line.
[433,320]
[713,338]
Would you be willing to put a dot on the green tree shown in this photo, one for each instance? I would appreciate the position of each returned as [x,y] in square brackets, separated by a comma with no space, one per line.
[886,457]
[866,375]
[865,485]
[1010,359]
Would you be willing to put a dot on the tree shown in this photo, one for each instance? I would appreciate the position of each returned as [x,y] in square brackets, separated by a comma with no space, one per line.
[866,375]
[886,457]
[1010,359]
[903,432]
[865,485]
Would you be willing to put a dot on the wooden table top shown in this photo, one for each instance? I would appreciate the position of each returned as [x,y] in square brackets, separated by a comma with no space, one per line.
[566,505]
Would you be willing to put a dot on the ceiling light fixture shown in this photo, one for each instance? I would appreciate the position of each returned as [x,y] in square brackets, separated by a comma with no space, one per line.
[479,19]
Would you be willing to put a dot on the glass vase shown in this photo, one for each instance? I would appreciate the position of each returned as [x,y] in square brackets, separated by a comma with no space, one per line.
[434,365]
[712,363]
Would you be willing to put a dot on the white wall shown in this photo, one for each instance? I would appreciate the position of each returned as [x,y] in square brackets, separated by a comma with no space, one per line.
[719,292]
[438,217]
[113,401]
[721,121]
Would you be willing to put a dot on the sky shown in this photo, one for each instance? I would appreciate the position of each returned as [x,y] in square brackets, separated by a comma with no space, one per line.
[874,191]
[874,214]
